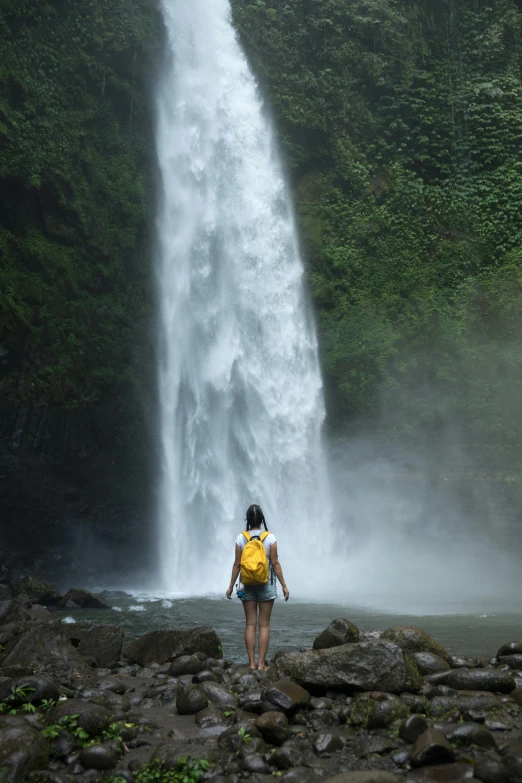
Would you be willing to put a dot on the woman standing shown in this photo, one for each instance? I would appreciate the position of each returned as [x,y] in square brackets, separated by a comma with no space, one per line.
[258,600]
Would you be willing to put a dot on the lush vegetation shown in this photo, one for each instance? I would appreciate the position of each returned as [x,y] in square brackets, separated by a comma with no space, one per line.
[75,161]
[401,123]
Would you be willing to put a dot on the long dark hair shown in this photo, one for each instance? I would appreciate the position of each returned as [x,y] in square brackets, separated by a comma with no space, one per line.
[255,518]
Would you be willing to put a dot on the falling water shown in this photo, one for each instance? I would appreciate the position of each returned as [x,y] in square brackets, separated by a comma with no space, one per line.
[241,403]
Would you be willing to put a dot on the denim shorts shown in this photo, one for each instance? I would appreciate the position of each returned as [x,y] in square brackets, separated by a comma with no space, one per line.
[260,592]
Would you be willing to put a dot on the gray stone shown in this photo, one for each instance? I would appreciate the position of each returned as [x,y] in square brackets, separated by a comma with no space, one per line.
[328,743]
[322,719]
[431,747]
[469,734]
[491,680]
[474,701]
[511,648]
[37,688]
[191,701]
[218,694]
[411,729]
[338,632]
[186,664]
[286,757]
[302,775]
[461,662]
[205,676]
[79,598]
[104,643]
[512,661]
[37,589]
[429,663]
[286,696]
[45,649]
[369,776]
[210,716]
[412,639]
[20,609]
[416,702]
[273,727]
[253,763]
[22,748]
[372,744]
[512,755]
[170,753]
[491,770]
[163,646]
[386,711]
[92,718]
[252,701]
[98,757]
[441,773]
[364,666]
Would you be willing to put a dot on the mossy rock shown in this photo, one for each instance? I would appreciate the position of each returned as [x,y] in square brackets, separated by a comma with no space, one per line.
[412,639]
[339,632]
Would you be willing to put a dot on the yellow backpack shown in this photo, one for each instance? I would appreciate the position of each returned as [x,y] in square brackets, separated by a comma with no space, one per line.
[254,562]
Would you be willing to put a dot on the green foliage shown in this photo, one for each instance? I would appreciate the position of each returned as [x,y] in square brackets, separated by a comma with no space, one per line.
[66,723]
[400,122]
[189,770]
[74,165]
[17,700]
[245,736]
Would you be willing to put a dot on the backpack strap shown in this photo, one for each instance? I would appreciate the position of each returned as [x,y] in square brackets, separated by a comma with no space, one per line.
[247,535]
[264,535]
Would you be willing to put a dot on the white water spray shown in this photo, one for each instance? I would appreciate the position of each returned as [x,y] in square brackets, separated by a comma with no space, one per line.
[241,405]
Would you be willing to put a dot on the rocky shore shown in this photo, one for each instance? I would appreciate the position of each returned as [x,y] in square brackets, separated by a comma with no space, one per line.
[78,704]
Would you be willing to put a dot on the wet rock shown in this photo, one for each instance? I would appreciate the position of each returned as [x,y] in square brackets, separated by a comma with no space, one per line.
[170,754]
[415,702]
[516,695]
[92,718]
[186,664]
[104,643]
[205,676]
[411,729]
[429,663]
[365,666]
[440,773]
[210,716]
[431,747]
[107,699]
[492,680]
[461,662]
[286,696]
[218,694]
[37,589]
[163,646]
[98,757]
[440,705]
[273,727]
[512,661]
[374,744]
[286,757]
[412,639]
[386,711]
[491,770]
[45,649]
[22,748]
[20,609]
[77,598]
[338,632]
[63,745]
[37,688]
[191,701]
[321,704]
[254,762]
[511,648]
[469,734]
[322,719]
[512,757]
[252,701]
[369,776]
[328,743]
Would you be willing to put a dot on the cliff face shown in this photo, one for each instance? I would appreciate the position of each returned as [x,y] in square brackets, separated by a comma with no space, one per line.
[76,166]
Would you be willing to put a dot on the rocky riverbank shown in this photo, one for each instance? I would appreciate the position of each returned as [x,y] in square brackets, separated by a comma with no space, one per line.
[78,704]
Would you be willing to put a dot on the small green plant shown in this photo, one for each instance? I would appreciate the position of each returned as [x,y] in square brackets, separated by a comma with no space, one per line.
[228,713]
[47,704]
[188,770]
[17,700]
[67,723]
[244,734]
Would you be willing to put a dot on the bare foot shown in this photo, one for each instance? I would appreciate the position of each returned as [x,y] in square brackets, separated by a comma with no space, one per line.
[254,667]
[263,668]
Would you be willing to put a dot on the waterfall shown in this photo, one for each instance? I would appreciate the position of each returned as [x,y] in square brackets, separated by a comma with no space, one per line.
[240,393]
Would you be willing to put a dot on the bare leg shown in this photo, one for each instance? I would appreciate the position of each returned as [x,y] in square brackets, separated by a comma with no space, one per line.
[250,608]
[265,610]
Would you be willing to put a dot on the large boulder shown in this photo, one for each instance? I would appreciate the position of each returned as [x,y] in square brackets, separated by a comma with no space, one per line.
[163,646]
[77,598]
[20,609]
[44,649]
[412,639]
[338,632]
[362,666]
[92,718]
[37,589]
[22,748]
[491,680]
[37,689]
[104,643]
